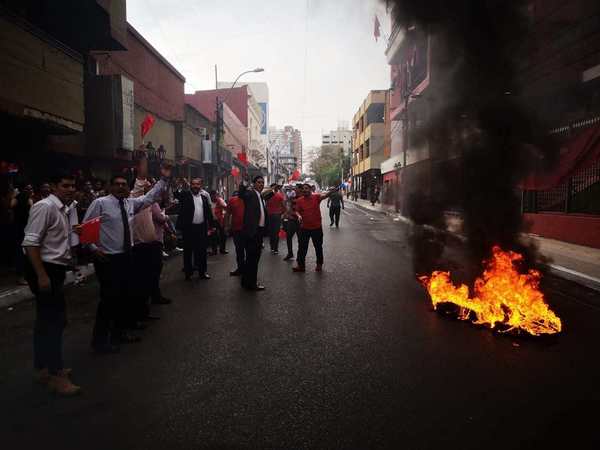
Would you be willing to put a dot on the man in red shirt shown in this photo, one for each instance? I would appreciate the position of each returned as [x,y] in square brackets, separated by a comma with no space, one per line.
[235,214]
[308,209]
[275,207]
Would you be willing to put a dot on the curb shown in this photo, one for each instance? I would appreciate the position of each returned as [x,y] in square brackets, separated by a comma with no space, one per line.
[559,271]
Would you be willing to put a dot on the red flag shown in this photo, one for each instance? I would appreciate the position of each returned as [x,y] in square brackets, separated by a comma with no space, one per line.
[377,31]
[243,158]
[295,176]
[147,124]
[90,231]
[235,172]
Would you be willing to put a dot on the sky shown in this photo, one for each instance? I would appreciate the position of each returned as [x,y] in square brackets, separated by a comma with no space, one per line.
[320,56]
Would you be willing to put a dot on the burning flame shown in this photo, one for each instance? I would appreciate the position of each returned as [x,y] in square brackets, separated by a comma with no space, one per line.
[502,296]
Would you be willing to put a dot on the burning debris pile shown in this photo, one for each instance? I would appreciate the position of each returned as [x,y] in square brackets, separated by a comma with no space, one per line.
[483,139]
[503,297]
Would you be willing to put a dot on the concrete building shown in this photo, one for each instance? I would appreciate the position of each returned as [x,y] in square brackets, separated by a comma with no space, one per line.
[260,93]
[141,76]
[368,142]
[285,150]
[45,68]
[342,136]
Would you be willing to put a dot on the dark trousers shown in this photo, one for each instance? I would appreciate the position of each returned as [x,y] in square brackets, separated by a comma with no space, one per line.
[253,248]
[147,265]
[117,306]
[50,318]
[274,226]
[304,236]
[334,215]
[219,239]
[291,228]
[240,251]
[195,242]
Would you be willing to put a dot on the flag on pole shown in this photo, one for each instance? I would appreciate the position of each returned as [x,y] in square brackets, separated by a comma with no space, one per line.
[147,124]
[90,231]
[377,30]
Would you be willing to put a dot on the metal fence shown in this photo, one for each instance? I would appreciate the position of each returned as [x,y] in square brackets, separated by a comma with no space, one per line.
[579,194]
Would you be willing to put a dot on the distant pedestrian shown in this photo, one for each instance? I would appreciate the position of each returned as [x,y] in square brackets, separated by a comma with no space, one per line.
[275,208]
[309,214]
[219,209]
[235,215]
[49,242]
[290,220]
[21,205]
[335,203]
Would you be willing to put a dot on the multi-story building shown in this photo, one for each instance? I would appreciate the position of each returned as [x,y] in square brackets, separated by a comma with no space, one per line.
[368,138]
[341,137]
[45,71]
[285,151]
[260,93]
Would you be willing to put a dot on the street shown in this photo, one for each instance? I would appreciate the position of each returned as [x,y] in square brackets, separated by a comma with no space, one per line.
[351,358]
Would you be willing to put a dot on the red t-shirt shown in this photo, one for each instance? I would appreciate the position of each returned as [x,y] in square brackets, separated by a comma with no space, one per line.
[236,209]
[275,204]
[310,210]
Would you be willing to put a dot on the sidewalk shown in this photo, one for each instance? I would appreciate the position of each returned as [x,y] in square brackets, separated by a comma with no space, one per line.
[569,261]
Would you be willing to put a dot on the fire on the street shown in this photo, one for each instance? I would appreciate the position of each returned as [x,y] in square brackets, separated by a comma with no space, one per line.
[502,296]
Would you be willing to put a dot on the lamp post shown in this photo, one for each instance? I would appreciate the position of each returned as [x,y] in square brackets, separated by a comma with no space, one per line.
[219,102]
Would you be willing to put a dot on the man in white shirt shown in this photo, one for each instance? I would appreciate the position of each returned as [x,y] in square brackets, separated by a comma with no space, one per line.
[48,242]
[194,220]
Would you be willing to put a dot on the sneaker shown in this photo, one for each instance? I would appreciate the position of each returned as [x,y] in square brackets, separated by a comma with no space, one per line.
[276,252]
[178,250]
[299,269]
[288,257]
[61,385]
[319,268]
[165,254]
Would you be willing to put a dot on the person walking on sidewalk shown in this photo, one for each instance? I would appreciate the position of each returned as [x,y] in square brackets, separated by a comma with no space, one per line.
[48,242]
[335,203]
[235,216]
[113,259]
[308,208]
[275,208]
[195,218]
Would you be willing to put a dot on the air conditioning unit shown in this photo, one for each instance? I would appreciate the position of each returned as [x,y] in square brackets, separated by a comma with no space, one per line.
[207,153]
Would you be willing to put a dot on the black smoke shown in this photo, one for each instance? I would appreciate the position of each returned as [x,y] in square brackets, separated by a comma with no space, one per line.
[483,136]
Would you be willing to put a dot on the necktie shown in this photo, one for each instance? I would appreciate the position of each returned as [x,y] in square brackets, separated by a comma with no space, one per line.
[126,233]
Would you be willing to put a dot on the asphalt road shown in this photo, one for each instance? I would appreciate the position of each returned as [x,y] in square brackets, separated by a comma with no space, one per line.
[350,358]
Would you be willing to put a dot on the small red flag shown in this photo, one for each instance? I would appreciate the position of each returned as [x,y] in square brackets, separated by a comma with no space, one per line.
[243,158]
[147,124]
[90,231]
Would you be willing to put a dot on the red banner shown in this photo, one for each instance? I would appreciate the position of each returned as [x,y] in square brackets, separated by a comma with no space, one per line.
[243,158]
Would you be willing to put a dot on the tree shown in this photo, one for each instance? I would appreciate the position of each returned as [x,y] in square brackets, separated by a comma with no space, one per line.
[327,166]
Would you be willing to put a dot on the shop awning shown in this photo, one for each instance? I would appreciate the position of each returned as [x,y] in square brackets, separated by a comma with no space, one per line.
[580,152]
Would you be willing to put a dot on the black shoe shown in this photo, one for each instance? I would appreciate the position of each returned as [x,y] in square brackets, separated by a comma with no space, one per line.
[188,277]
[204,276]
[224,252]
[162,301]
[149,318]
[106,349]
[276,252]
[235,273]
[258,287]
[331,224]
[288,257]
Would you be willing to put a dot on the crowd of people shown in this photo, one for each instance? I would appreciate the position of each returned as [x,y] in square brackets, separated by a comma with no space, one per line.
[127,253]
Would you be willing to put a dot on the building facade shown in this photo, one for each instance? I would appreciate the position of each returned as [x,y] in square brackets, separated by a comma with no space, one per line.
[368,125]
[342,137]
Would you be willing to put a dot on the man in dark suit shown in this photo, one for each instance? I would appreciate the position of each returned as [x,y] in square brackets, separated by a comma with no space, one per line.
[195,218]
[253,231]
